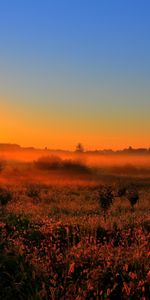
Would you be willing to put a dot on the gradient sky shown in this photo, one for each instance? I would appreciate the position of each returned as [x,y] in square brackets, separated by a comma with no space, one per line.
[75,71]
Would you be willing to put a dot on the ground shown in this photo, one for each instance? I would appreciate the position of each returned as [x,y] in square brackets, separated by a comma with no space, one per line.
[56,244]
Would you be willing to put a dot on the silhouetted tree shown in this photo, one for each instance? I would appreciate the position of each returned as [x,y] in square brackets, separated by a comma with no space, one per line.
[79,148]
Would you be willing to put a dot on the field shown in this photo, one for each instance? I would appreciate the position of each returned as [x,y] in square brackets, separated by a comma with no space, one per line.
[57,239]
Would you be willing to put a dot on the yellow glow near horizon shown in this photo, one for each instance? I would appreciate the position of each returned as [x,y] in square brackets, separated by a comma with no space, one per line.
[75,78]
[60,130]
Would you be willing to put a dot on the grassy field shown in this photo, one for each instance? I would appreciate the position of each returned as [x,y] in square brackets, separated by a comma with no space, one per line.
[55,242]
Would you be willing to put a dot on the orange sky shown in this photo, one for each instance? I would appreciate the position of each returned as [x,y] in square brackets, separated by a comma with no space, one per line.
[74,71]
[40,127]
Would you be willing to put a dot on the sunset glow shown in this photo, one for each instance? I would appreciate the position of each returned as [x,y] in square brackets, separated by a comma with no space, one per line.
[75,72]
[74,149]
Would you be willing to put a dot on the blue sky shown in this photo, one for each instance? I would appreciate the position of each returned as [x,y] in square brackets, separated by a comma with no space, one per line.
[79,67]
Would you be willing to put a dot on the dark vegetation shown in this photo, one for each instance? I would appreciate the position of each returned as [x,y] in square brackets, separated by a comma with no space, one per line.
[67,262]
[56,163]
[33,191]
[75,241]
[133,196]
[5,196]
[105,199]
[19,278]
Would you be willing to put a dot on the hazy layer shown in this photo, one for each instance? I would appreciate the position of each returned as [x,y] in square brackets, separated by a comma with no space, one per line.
[89,159]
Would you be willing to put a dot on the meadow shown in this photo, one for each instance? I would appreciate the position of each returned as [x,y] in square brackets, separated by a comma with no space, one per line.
[68,229]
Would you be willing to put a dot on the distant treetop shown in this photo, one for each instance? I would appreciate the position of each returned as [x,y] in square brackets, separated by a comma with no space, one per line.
[79,148]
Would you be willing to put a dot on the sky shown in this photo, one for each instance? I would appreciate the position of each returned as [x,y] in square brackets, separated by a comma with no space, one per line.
[75,71]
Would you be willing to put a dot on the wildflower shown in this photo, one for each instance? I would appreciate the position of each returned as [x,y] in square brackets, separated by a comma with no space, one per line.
[126,289]
[72,267]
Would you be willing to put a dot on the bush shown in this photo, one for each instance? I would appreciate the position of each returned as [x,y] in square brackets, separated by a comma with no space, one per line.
[56,163]
[133,196]
[121,190]
[49,162]
[105,199]
[33,191]
[5,196]
[75,166]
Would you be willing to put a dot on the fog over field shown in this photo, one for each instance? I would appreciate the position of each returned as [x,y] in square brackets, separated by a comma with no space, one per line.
[64,167]
[141,160]
[74,150]
[74,226]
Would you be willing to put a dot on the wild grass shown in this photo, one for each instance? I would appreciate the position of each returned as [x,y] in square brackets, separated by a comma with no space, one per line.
[61,247]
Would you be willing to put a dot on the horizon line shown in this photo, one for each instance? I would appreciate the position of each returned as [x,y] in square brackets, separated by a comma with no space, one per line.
[18,146]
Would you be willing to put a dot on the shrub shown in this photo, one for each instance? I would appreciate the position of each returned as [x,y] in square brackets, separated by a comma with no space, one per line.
[5,196]
[101,234]
[33,191]
[48,162]
[75,166]
[133,197]
[105,199]
[56,163]
[121,190]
